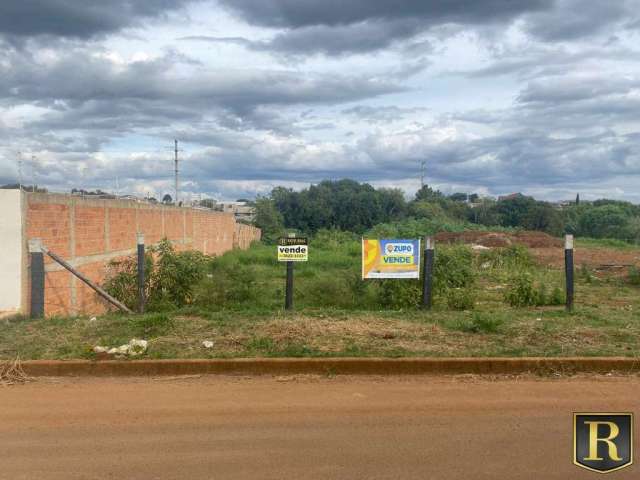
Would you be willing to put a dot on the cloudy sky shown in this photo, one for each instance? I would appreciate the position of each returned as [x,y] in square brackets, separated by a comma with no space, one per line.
[497,96]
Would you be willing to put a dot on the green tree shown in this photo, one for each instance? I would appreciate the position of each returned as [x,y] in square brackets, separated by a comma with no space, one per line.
[605,221]
[428,194]
[268,219]
[459,197]
[545,218]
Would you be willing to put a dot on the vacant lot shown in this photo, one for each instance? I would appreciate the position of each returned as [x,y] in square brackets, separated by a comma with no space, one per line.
[238,307]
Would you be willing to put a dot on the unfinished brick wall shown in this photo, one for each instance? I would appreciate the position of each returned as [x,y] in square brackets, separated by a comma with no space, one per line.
[90,233]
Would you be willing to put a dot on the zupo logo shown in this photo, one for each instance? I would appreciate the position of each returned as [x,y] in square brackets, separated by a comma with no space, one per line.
[603,442]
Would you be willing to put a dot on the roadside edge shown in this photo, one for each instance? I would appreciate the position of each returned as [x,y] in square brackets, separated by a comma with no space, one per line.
[332,366]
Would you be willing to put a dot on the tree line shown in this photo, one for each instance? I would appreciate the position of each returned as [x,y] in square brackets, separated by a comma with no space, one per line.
[357,207]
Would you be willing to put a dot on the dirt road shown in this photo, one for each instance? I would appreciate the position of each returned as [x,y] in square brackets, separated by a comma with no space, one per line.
[301,428]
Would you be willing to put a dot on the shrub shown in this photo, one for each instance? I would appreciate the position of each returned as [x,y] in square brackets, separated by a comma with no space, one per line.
[461,299]
[400,293]
[557,297]
[525,292]
[521,292]
[170,277]
[175,276]
[453,268]
[633,277]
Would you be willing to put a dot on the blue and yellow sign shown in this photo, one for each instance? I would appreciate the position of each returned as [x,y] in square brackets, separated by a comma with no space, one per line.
[398,258]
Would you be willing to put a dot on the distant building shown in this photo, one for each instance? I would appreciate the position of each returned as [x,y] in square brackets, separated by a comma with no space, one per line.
[241,210]
[511,196]
[562,204]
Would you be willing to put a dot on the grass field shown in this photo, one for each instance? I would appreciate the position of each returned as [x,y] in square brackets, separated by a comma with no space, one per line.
[238,306]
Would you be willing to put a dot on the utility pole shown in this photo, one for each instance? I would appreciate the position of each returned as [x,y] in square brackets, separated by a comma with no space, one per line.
[33,173]
[177,171]
[20,170]
[423,164]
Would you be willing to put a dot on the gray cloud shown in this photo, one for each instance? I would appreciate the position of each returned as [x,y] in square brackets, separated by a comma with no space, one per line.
[305,13]
[335,27]
[566,119]
[78,19]
[79,84]
[575,19]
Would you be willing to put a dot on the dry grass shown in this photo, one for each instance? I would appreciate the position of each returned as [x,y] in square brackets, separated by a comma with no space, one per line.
[12,373]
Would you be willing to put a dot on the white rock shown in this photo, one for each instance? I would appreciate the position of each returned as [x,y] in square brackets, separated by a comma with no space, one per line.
[99,349]
[207,344]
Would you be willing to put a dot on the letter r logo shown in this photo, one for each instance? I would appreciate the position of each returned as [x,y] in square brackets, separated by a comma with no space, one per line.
[603,442]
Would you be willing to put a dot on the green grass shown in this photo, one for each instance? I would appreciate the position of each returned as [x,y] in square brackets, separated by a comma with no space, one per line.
[239,306]
[604,243]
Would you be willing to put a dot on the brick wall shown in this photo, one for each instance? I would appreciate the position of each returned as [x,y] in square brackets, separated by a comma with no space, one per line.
[90,233]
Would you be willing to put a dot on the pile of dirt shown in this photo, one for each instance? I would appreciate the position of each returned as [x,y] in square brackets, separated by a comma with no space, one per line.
[500,239]
[604,261]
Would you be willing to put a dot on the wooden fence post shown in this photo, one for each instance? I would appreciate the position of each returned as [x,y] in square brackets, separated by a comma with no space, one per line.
[288,301]
[427,285]
[568,268]
[141,280]
[36,308]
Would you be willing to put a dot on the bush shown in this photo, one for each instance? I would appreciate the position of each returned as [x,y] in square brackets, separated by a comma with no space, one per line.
[170,277]
[557,297]
[453,268]
[521,292]
[586,274]
[461,299]
[524,292]
[633,277]
[175,275]
[400,294]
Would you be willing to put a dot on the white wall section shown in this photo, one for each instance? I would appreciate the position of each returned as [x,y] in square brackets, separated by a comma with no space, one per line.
[10,250]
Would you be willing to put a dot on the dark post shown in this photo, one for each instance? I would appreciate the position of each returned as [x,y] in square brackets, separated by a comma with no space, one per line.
[141,280]
[568,268]
[427,285]
[37,278]
[288,302]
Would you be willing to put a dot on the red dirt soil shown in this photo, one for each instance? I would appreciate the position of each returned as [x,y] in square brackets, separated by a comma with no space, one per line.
[549,250]
[303,428]
[602,259]
[501,239]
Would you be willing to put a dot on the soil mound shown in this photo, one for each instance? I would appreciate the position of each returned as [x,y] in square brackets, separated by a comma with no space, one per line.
[500,239]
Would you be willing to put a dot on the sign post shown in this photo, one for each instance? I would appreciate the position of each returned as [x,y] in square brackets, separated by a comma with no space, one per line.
[427,286]
[288,297]
[290,250]
[568,268]
[141,281]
